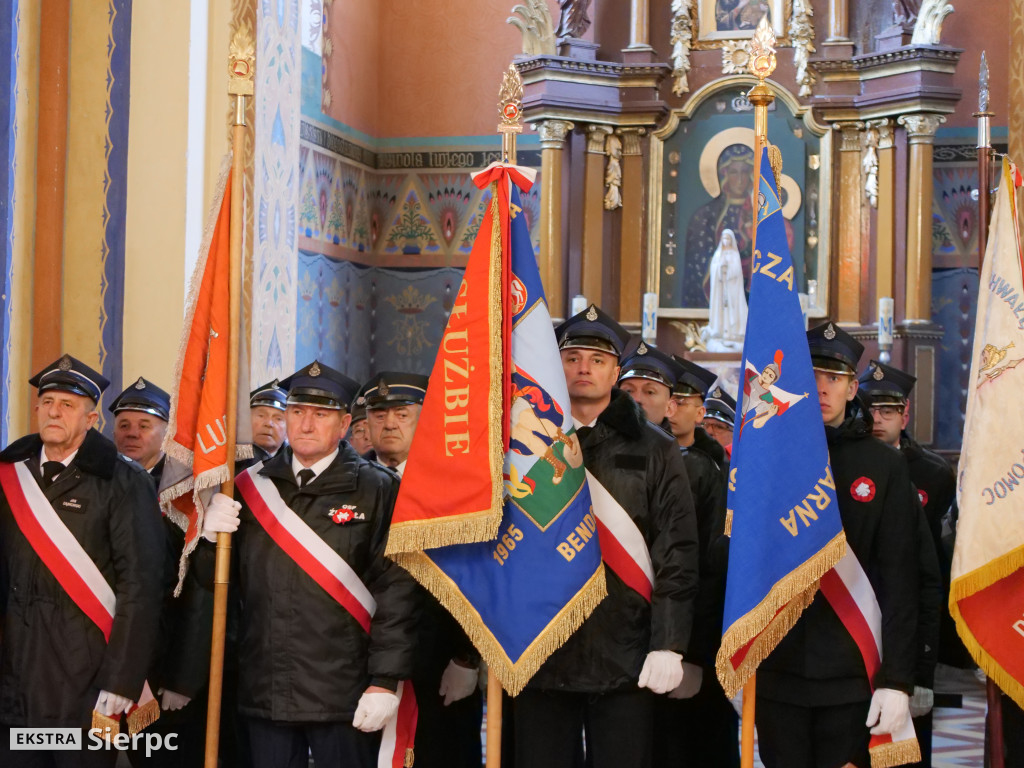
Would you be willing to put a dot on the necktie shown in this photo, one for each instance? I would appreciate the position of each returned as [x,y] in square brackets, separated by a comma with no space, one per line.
[582,433]
[306,477]
[50,471]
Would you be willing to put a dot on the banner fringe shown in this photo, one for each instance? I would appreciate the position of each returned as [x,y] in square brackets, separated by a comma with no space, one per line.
[969,584]
[895,753]
[413,535]
[774,616]
[513,676]
[143,717]
[496,357]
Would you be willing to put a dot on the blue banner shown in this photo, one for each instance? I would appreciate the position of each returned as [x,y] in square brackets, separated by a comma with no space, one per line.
[785,525]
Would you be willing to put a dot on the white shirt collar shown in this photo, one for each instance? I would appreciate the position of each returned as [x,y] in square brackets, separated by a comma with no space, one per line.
[317,468]
[67,459]
[577,423]
[400,469]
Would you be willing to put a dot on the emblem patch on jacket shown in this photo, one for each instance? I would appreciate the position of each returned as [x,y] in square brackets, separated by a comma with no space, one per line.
[344,514]
[863,489]
[923,496]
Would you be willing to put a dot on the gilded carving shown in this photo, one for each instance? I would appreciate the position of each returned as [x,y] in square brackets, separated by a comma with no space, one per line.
[631,140]
[886,133]
[735,57]
[596,135]
[762,51]
[928,27]
[613,173]
[850,133]
[573,20]
[1015,72]
[921,127]
[681,38]
[533,20]
[691,331]
[553,132]
[869,165]
[801,33]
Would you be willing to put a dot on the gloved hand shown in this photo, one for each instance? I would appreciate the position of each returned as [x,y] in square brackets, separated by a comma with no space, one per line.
[922,701]
[457,682]
[110,704]
[170,701]
[374,710]
[221,517]
[693,676]
[662,671]
[888,712]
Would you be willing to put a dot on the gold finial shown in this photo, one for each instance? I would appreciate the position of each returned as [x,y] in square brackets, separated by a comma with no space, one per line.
[510,106]
[762,50]
[241,58]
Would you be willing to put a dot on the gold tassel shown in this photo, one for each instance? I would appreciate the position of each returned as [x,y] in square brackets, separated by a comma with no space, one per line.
[896,753]
[775,161]
[143,716]
[101,723]
[410,757]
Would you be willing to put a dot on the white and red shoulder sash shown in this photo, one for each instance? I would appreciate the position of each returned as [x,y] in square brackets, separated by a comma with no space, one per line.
[66,558]
[849,592]
[623,547]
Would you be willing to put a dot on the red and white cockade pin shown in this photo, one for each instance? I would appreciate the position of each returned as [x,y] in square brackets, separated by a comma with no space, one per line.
[342,514]
[863,489]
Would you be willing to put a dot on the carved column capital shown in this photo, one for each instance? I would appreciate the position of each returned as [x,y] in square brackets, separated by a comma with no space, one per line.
[553,132]
[921,127]
[631,139]
[850,135]
[885,131]
[596,135]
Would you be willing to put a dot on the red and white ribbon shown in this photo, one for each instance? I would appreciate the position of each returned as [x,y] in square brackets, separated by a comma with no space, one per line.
[623,547]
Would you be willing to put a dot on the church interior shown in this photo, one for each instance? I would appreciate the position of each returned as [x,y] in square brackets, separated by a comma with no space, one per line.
[370,115]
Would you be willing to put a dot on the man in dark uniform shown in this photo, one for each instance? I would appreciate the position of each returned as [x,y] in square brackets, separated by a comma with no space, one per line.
[320,666]
[140,423]
[815,704]
[720,417]
[359,430]
[71,504]
[885,392]
[697,723]
[601,680]
[447,665]
[648,375]
[266,409]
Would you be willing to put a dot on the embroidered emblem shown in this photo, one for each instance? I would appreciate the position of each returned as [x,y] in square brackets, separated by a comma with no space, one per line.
[879,374]
[830,332]
[863,489]
[923,496]
[383,388]
[65,363]
[140,384]
[344,514]
[642,349]
[361,400]
[592,313]
[718,392]
[71,504]
[314,369]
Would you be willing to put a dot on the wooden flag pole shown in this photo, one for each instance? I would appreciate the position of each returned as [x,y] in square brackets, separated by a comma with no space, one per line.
[240,85]
[762,65]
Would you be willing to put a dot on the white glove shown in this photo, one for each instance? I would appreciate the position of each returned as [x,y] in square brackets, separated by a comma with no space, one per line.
[922,701]
[457,682]
[662,672]
[693,676]
[171,701]
[110,704]
[221,517]
[888,712]
[374,710]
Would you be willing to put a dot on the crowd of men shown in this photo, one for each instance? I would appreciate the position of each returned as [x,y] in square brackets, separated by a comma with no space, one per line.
[318,664]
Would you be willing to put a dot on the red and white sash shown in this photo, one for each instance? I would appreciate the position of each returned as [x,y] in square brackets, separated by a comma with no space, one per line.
[328,569]
[849,592]
[623,547]
[70,565]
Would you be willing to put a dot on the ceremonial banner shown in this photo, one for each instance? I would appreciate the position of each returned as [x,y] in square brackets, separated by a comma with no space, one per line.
[785,525]
[522,594]
[986,595]
[196,441]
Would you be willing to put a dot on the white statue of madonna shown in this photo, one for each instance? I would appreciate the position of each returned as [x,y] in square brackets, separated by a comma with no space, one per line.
[727,315]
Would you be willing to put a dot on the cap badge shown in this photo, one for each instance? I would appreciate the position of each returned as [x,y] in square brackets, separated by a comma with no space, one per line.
[642,349]
[878,375]
[718,391]
[383,388]
[830,332]
[275,384]
[592,313]
[65,363]
[314,369]
[140,384]
[360,400]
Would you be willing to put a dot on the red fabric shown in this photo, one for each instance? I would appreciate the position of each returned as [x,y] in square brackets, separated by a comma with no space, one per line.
[995,616]
[619,560]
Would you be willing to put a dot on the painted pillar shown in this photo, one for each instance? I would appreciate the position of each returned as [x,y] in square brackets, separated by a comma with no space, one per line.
[552,245]
[850,195]
[838,20]
[920,137]
[885,230]
[631,255]
[593,213]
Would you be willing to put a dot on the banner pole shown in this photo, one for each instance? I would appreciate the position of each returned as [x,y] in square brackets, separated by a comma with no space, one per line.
[984,159]
[240,85]
[747,723]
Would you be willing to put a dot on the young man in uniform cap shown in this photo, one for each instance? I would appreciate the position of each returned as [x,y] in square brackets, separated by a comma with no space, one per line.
[393,404]
[601,680]
[71,511]
[266,409]
[447,665]
[359,430]
[140,423]
[697,722]
[648,376]
[720,417]
[319,669]
[815,703]
[885,392]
